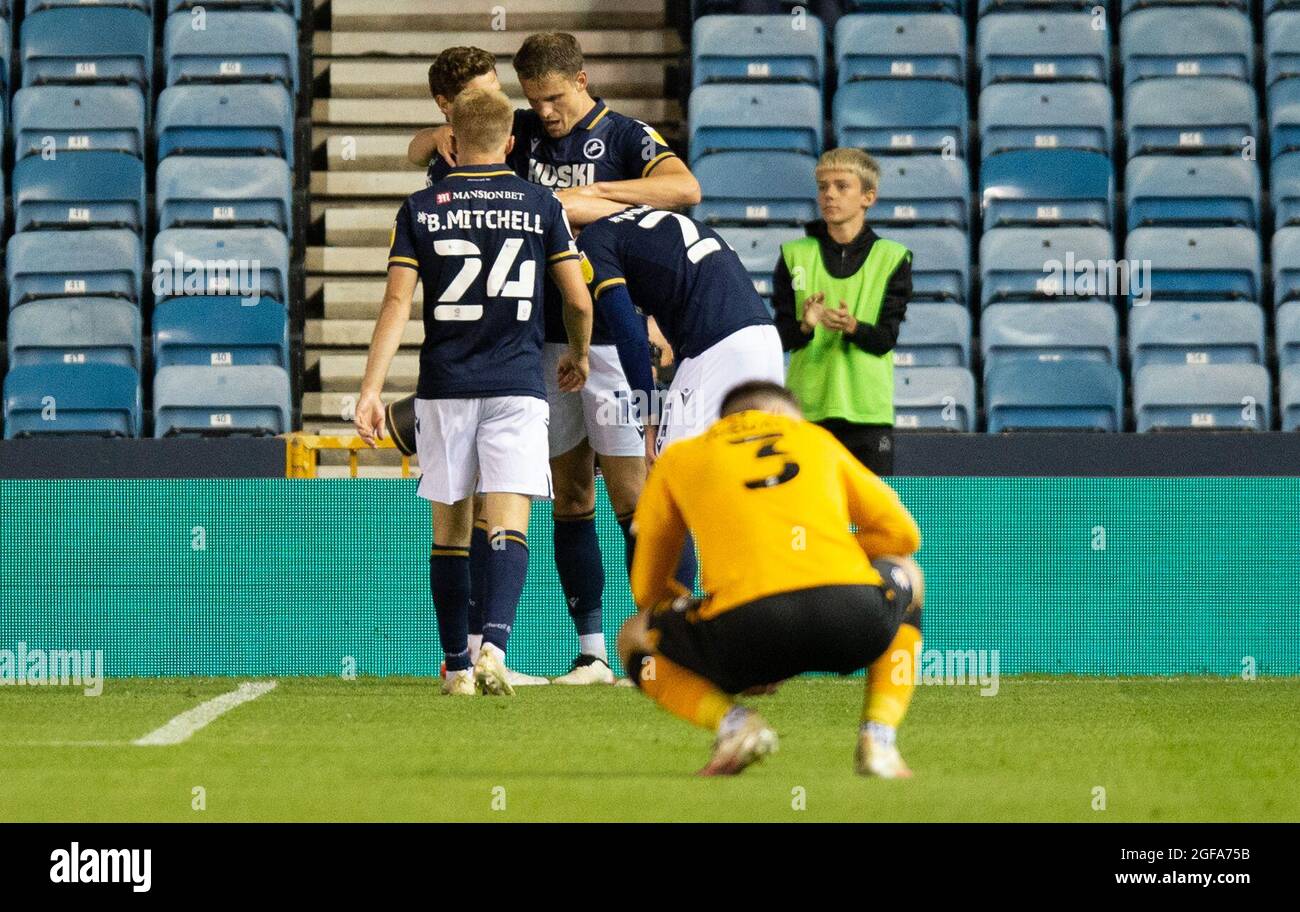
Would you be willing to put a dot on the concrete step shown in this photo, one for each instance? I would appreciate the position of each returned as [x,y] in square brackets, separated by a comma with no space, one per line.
[402,79]
[359,226]
[336,406]
[421,112]
[368,151]
[520,16]
[331,333]
[348,260]
[595,43]
[359,300]
[342,372]
[394,185]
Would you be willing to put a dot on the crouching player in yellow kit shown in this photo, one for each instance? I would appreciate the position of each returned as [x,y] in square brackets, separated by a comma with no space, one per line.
[769,498]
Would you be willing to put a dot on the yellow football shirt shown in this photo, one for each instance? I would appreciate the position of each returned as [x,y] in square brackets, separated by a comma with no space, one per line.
[769,500]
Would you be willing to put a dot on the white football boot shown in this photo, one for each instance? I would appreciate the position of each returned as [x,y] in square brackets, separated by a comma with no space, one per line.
[519,679]
[878,754]
[459,684]
[744,738]
[587,669]
[491,674]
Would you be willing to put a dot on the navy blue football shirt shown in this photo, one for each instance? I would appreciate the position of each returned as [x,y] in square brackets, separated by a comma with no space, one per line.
[482,240]
[676,270]
[603,146]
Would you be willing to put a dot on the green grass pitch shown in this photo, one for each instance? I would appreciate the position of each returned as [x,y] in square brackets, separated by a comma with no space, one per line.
[392,749]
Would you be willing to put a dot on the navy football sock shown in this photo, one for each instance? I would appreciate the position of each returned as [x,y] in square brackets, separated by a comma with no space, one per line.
[582,574]
[629,540]
[478,552]
[449,586]
[507,567]
[687,565]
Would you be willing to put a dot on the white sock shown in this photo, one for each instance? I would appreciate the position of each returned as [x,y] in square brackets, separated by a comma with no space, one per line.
[879,732]
[475,644]
[592,644]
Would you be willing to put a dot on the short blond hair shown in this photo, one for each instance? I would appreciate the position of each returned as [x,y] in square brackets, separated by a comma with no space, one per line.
[855,161]
[481,119]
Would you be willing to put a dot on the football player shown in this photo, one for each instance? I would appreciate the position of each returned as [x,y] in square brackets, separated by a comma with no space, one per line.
[769,498]
[598,162]
[480,241]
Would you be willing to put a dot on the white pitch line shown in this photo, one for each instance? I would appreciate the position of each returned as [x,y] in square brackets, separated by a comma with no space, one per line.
[187,723]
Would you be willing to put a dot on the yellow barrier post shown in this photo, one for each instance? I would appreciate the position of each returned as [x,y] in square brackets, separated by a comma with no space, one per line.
[302,453]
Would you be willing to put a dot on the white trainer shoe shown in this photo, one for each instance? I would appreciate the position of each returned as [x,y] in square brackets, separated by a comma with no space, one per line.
[743,739]
[519,679]
[491,674]
[459,684]
[587,669]
[879,757]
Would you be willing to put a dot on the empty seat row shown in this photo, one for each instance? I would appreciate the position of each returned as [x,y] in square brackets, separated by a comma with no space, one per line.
[106,189]
[191,119]
[109,263]
[99,44]
[105,399]
[1084,395]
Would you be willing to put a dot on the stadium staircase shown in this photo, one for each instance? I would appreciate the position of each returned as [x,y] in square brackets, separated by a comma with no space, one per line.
[371,94]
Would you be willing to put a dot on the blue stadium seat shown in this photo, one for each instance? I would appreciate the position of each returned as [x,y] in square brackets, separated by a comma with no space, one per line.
[757,49]
[763,117]
[1041,47]
[253,46]
[985,7]
[88,44]
[106,262]
[893,116]
[940,262]
[1290,390]
[1043,264]
[89,399]
[220,331]
[190,400]
[1058,115]
[79,190]
[901,46]
[924,6]
[1187,41]
[1188,333]
[1208,114]
[1284,189]
[1181,190]
[35,6]
[198,191]
[1054,395]
[934,335]
[1281,46]
[1048,333]
[922,190]
[261,256]
[1288,333]
[288,6]
[225,120]
[6,60]
[75,331]
[1205,396]
[78,118]
[1128,6]
[1284,117]
[1286,265]
[756,187]
[1199,264]
[1047,187]
[934,399]
[759,249]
